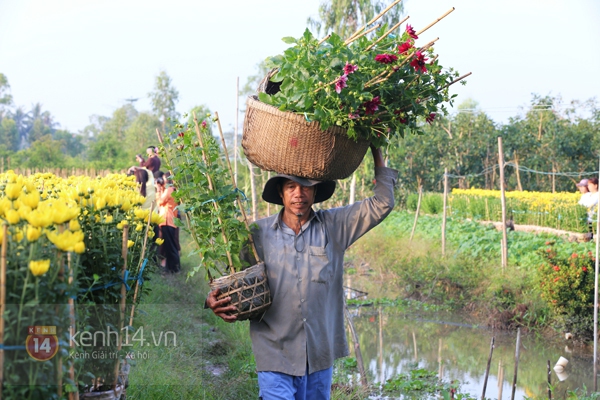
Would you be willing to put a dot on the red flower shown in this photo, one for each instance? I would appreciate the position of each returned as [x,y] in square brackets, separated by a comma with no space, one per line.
[418,63]
[203,124]
[584,269]
[574,255]
[181,134]
[349,68]
[430,118]
[405,47]
[386,58]
[556,279]
[556,268]
[372,105]
[411,32]
[341,83]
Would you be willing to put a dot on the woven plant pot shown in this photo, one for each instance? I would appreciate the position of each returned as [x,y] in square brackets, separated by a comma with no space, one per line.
[286,143]
[248,289]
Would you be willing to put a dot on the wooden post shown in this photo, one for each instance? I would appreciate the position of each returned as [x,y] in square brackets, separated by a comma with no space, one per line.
[415,346]
[500,379]
[123,299]
[2,298]
[517,351]
[352,189]
[503,202]
[359,359]
[487,369]
[235,137]
[71,302]
[444,214]
[139,270]
[549,380]
[252,190]
[412,232]
[596,298]
[519,186]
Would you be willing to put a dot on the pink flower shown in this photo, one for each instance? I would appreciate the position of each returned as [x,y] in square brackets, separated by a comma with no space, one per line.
[385,58]
[430,118]
[353,115]
[419,62]
[556,268]
[349,68]
[411,32]
[405,47]
[204,124]
[372,105]
[341,83]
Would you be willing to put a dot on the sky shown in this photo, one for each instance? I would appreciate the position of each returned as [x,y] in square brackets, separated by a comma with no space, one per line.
[80,58]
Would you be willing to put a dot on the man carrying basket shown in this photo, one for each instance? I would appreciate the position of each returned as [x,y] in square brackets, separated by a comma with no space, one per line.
[298,338]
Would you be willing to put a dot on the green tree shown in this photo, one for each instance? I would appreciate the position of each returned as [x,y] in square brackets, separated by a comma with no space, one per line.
[163,100]
[9,135]
[5,96]
[44,153]
[345,17]
[140,134]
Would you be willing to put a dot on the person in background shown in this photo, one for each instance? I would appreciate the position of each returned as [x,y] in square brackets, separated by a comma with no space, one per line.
[583,189]
[592,204]
[146,181]
[168,230]
[153,161]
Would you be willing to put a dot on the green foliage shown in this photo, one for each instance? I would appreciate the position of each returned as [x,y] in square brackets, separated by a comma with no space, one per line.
[567,285]
[205,190]
[432,203]
[163,99]
[351,86]
[423,384]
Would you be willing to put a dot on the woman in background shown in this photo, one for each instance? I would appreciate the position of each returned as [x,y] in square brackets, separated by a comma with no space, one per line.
[166,208]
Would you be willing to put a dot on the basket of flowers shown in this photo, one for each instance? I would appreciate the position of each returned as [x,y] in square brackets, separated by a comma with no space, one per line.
[325,100]
[215,216]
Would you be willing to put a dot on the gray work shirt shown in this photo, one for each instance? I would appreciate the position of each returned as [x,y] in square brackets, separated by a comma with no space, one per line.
[305,274]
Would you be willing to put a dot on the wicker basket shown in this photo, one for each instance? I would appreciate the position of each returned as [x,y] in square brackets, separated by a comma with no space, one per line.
[286,143]
[248,289]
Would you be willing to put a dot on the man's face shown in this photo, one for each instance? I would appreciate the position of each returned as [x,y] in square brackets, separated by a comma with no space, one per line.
[297,199]
[149,152]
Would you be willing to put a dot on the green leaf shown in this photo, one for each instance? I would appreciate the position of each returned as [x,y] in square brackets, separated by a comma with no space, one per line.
[265,98]
[289,40]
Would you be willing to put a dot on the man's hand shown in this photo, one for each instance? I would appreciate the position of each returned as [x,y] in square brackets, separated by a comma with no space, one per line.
[377,157]
[221,308]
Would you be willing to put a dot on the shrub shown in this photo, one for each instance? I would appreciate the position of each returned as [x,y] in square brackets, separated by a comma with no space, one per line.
[567,285]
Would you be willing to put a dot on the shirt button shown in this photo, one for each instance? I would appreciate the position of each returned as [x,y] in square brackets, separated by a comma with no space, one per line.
[301,300]
[300,280]
[304,319]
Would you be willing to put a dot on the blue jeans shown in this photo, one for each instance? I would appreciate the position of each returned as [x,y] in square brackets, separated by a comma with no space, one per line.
[280,386]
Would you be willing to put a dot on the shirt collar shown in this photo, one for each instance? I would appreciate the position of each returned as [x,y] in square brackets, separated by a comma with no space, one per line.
[277,223]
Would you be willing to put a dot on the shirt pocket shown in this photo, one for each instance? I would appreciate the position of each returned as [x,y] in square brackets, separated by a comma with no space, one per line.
[321,270]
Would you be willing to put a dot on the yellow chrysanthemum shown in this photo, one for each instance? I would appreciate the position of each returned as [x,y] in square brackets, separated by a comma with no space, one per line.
[159,241]
[139,227]
[65,241]
[13,190]
[79,247]
[5,204]
[39,218]
[12,217]
[39,267]
[108,219]
[33,233]
[31,199]
[24,211]
[74,225]
[130,243]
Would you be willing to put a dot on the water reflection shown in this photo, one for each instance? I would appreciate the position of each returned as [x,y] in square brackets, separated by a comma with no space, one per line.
[392,343]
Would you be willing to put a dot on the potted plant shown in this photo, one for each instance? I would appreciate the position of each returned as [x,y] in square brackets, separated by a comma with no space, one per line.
[372,87]
[215,216]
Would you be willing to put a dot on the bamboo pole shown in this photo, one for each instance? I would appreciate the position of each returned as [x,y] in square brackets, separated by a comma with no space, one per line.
[123,303]
[71,302]
[596,264]
[237,196]
[392,29]
[2,299]
[549,380]
[503,202]
[144,247]
[324,39]
[517,352]
[358,353]
[415,346]
[412,232]
[235,137]
[348,41]
[487,369]
[500,379]
[211,187]
[444,212]
[436,21]
[388,8]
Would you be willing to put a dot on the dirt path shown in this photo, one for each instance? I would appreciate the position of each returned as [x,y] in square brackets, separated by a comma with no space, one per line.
[572,236]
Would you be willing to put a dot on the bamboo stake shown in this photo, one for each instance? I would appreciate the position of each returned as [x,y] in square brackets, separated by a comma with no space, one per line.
[500,379]
[71,302]
[211,187]
[444,213]
[123,298]
[549,380]
[324,39]
[596,268]
[487,369]
[348,41]
[237,196]
[358,353]
[137,283]
[392,29]
[517,351]
[235,137]
[2,298]
[436,21]
[460,78]
[388,8]
[412,232]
